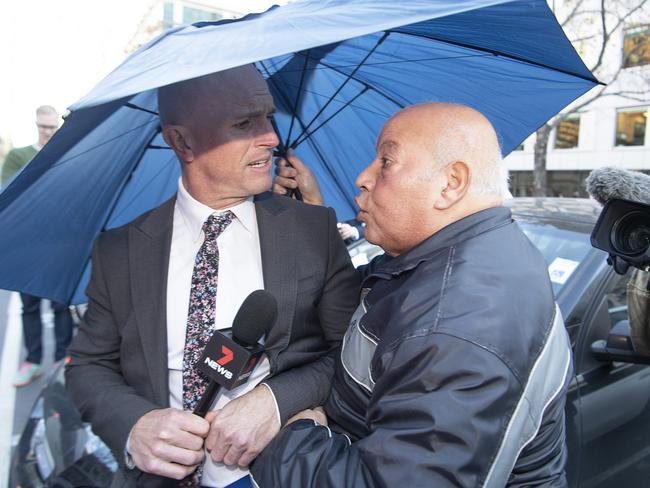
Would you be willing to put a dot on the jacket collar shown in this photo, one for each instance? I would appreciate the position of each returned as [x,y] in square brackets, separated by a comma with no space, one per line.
[449,236]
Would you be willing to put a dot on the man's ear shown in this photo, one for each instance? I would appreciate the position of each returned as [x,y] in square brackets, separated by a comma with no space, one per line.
[180,140]
[457,176]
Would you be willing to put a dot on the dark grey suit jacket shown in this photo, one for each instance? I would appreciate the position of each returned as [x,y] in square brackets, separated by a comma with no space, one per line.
[118,368]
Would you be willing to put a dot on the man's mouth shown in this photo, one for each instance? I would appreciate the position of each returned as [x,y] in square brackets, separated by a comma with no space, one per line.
[260,163]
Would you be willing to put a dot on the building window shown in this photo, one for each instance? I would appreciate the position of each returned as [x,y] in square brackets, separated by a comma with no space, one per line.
[568,132]
[168,15]
[191,15]
[630,127]
[636,46]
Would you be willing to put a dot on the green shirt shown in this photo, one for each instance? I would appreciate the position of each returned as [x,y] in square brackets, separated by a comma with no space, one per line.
[16,159]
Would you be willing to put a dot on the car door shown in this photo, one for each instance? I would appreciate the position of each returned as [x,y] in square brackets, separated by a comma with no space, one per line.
[611,399]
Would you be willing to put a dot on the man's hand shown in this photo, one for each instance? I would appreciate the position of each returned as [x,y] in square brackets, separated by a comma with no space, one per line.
[346,231]
[168,442]
[300,176]
[317,414]
[244,427]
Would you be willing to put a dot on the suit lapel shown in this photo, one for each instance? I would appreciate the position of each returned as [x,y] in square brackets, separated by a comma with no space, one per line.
[149,248]
[277,228]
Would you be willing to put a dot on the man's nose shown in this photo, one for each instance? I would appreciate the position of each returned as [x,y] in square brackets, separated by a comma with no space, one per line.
[366,179]
[268,137]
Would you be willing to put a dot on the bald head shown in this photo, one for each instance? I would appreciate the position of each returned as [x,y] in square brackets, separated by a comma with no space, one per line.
[453,132]
[190,102]
[220,127]
[436,163]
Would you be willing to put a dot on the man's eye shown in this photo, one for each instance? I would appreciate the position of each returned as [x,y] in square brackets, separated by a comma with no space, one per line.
[384,163]
[243,124]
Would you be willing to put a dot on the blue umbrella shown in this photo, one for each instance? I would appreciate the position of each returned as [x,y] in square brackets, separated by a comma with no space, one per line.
[337,69]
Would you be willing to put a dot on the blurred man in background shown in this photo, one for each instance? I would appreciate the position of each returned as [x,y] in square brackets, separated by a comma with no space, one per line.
[47,122]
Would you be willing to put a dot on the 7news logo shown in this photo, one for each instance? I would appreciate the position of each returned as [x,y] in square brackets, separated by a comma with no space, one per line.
[218,366]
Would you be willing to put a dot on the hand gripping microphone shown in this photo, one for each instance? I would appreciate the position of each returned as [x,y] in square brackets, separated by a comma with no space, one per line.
[229,358]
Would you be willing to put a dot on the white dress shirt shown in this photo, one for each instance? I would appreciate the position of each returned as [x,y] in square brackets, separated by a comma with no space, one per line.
[240,273]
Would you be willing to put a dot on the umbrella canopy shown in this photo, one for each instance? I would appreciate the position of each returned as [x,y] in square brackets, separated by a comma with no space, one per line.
[337,70]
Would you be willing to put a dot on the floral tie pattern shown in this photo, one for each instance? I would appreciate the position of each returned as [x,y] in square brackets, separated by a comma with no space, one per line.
[200,317]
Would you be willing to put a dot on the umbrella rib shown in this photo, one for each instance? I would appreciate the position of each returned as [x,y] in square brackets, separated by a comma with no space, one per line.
[366,85]
[499,53]
[284,97]
[74,156]
[400,61]
[138,107]
[128,176]
[115,200]
[319,154]
[307,135]
[295,105]
[349,77]
[157,175]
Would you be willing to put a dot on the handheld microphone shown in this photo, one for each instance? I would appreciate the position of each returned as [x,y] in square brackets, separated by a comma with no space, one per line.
[607,183]
[229,358]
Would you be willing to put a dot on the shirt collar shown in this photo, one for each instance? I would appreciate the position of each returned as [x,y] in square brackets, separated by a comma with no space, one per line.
[195,213]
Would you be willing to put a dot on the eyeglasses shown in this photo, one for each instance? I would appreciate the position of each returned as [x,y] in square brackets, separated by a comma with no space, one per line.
[46,127]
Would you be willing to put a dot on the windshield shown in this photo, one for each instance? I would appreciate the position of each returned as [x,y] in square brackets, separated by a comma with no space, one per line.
[563,249]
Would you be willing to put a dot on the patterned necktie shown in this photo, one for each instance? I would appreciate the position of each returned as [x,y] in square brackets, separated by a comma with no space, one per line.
[200,317]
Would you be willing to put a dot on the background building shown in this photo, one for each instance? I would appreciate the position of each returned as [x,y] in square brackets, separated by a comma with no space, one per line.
[613,129]
[163,14]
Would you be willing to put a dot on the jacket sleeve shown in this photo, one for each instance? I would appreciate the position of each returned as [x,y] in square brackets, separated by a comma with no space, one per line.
[436,417]
[308,386]
[93,376]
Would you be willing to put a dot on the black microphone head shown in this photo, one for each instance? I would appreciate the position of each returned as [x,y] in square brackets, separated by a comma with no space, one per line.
[608,183]
[255,316]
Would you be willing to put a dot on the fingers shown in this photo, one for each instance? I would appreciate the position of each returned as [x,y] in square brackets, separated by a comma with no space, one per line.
[232,450]
[282,169]
[193,424]
[185,440]
[317,414]
[295,161]
[168,442]
[178,455]
[167,469]
[243,428]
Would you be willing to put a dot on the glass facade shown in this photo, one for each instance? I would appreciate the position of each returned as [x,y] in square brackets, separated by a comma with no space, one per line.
[568,132]
[636,46]
[168,15]
[630,127]
[191,15]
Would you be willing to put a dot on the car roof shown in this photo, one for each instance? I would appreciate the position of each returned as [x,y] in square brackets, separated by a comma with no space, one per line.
[579,213]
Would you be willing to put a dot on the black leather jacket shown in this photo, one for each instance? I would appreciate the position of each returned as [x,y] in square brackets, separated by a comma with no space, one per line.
[453,372]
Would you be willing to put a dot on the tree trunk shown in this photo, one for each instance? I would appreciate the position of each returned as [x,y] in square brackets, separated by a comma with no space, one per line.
[539,170]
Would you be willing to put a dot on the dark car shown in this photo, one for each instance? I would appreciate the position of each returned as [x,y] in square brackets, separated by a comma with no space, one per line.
[608,419]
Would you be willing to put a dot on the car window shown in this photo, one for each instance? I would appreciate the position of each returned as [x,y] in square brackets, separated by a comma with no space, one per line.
[563,249]
[362,252]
